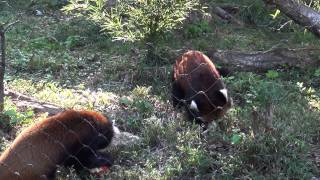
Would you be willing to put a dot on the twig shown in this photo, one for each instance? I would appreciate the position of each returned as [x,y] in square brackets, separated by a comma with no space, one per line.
[8,25]
[283,25]
[6,2]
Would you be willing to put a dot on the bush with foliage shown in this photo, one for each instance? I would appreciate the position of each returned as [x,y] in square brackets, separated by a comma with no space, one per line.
[127,20]
[134,20]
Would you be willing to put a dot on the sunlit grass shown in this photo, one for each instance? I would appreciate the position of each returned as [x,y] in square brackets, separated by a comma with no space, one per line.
[64,97]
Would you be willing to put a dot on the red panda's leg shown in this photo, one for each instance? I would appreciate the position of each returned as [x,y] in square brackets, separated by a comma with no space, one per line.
[177,95]
[192,115]
[195,116]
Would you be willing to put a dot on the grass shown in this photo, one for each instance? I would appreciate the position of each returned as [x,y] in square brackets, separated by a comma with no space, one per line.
[66,62]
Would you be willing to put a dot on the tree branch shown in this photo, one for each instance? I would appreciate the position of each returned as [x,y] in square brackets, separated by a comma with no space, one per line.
[9,25]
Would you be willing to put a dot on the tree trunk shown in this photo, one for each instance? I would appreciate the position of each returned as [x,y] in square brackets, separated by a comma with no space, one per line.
[2,67]
[3,30]
[300,13]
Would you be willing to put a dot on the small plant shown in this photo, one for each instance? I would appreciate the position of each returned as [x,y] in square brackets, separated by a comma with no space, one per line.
[43,43]
[140,105]
[317,72]
[15,117]
[73,41]
[275,14]
[141,92]
[153,132]
[236,138]
[141,100]
[272,74]
[197,29]
[143,106]
[133,123]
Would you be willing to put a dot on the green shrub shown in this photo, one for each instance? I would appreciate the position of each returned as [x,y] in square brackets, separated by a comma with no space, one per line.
[145,20]
[197,29]
[73,41]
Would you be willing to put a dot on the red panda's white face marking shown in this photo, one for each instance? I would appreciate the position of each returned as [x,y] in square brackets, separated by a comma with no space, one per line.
[224,91]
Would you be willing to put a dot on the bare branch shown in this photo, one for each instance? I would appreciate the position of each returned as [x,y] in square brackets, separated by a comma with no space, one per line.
[6,2]
[284,24]
[9,25]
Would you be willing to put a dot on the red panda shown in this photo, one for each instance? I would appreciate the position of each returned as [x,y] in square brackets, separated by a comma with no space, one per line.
[70,138]
[197,85]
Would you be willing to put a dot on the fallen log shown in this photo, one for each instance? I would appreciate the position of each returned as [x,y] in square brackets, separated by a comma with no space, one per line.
[262,61]
[23,101]
[225,15]
[231,9]
[300,13]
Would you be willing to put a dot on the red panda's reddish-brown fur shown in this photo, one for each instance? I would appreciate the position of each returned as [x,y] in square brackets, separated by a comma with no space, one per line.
[70,138]
[197,85]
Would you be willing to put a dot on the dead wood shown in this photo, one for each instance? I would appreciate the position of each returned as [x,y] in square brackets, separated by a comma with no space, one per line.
[261,61]
[23,101]
[300,13]
[225,15]
[231,9]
